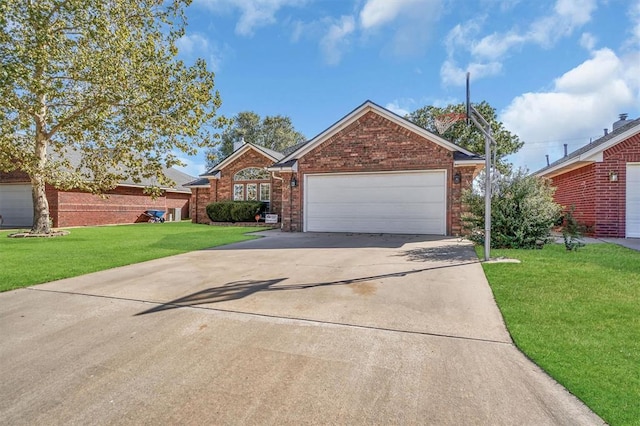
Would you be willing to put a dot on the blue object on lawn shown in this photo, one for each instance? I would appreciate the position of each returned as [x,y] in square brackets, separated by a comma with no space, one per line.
[155,213]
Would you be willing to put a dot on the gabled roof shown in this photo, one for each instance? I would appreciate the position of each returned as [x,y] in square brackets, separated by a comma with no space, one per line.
[198,183]
[179,178]
[354,115]
[592,152]
[269,153]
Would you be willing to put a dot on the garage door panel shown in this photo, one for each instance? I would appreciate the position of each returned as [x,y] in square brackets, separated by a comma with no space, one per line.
[633,201]
[16,205]
[384,202]
[392,210]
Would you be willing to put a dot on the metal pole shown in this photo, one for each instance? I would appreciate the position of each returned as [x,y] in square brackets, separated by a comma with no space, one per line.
[487,193]
[485,127]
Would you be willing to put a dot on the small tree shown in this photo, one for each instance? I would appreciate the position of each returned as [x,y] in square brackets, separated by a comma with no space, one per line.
[273,131]
[470,137]
[572,231]
[522,212]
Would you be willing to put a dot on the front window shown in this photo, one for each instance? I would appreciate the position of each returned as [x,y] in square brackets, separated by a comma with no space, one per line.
[252,191]
[247,185]
[265,192]
[251,173]
[238,192]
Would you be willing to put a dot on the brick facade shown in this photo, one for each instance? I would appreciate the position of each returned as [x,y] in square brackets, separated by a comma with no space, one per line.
[373,143]
[222,189]
[600,203]
[120,205]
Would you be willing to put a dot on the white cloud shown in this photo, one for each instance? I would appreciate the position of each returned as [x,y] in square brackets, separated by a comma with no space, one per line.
[335,42]
[634,16]
[411,22]
[394,106]
[452,75]
[253,13]
[588,41]
[487,52]
[191,46]
[380,12]
[496,45]
[583,101]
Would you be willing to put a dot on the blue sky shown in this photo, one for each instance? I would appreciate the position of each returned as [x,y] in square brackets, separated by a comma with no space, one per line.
[556,71]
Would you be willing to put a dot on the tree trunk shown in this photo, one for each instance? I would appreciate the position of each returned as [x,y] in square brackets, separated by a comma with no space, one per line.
[40,207]
[40,202]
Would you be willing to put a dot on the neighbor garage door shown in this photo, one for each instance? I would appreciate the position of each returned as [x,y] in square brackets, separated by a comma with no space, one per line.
[16,205]
[398,203]
[633,201]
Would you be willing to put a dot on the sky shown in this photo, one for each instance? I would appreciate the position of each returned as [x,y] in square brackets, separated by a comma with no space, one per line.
[557,72]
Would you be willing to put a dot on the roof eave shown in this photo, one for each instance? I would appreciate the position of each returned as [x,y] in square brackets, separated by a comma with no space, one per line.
[234,155]
[291,168]
[360,111]
[595,155]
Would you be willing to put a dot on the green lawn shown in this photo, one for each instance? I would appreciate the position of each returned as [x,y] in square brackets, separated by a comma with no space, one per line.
[28,261]
[577,315]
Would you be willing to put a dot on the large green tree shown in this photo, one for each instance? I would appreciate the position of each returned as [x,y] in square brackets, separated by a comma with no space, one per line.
[273,132]
[98,81]
[470,137]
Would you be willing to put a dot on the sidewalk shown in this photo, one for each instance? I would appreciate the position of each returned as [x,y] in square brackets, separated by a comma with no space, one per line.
[632,243]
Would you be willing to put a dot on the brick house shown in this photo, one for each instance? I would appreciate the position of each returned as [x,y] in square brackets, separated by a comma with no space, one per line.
[372,171]
[602,181]
[123,204]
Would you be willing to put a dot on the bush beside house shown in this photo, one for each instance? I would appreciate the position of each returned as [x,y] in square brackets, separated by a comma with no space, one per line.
[235,211]
[522,212]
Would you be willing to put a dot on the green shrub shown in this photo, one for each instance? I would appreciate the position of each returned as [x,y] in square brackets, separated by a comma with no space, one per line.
[220,211]
[572,231]
[522,212]
[234,211]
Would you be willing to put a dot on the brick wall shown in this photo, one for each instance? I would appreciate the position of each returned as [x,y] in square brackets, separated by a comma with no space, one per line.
[222,188]
[200,197]
[374,144]
[121,205]
[251,158]
[599,202]
[578,188]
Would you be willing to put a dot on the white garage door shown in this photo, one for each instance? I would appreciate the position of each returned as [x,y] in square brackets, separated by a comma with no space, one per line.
[397,203]
[16,205]
[633,201]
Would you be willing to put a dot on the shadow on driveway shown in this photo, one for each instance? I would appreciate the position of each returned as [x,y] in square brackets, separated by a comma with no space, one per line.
[241,289]
[314,240]
[441,253]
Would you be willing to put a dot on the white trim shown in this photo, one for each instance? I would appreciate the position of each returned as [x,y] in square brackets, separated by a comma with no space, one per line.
[359,112]
[594,155]
[446,188]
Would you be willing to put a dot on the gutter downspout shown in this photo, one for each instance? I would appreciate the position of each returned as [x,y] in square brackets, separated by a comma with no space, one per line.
[273,175]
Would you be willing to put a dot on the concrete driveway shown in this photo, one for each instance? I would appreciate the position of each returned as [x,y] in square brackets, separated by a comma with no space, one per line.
[287,329]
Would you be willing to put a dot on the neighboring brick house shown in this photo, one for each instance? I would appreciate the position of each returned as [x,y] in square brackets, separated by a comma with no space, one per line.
[372,171]
[602,181]
[123,204]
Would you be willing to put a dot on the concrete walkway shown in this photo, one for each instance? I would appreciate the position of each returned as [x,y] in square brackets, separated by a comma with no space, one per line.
[632,243]
[288,329]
